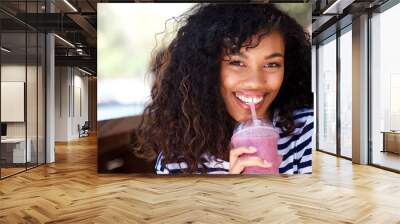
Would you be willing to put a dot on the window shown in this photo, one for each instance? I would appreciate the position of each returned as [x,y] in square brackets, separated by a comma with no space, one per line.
[327,95]
[345,93]
[385,89]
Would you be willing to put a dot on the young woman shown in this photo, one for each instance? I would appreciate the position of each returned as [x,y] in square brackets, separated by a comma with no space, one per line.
[224,57]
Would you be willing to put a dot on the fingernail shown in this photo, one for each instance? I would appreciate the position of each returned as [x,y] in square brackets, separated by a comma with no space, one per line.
[252,148]
[266,163]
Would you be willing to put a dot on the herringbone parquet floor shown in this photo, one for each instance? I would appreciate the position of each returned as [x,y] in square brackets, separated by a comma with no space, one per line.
[71,191]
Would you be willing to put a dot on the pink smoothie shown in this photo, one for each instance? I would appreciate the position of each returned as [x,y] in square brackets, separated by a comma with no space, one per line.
[264,138]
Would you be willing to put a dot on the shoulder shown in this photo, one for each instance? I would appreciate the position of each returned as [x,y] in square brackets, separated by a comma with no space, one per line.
[304,122]
[303,119]
[303,116]
[303,112]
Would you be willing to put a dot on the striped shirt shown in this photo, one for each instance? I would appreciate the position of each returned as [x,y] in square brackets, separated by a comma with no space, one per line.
[295,149]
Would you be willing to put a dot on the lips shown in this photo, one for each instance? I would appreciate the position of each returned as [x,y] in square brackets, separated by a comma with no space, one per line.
[244,99]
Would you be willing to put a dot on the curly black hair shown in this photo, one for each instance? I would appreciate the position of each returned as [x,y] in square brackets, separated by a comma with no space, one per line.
[186,117]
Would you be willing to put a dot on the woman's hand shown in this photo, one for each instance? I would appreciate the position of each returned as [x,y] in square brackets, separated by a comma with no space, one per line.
[237,163]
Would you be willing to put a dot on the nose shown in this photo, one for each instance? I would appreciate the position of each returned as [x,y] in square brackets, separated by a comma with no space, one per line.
[254,79]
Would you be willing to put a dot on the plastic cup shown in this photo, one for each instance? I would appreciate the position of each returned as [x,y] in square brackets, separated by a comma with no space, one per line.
[260,134]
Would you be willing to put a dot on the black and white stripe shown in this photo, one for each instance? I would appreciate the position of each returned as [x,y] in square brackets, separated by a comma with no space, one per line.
[295,149]
[214,166]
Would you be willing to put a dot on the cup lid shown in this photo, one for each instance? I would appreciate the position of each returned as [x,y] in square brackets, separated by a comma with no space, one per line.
[258,127]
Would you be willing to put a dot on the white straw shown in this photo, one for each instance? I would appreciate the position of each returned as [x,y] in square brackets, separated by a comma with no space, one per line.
[253,111]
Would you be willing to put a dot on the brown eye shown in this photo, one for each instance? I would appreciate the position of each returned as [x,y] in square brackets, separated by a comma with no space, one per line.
[236,63]
[272,67]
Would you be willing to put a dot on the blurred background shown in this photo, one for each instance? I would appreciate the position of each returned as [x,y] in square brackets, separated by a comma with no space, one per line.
[125,47]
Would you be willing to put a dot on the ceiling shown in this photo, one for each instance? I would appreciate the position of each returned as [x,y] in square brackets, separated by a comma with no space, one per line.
[331,15]
[76,21]
[73,21]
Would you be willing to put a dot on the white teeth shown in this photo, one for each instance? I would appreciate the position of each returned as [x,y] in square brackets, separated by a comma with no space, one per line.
[249,100]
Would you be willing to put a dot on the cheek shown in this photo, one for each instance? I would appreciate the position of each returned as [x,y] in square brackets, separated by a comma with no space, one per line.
[275,81]
[228,83]
[224,87]
[227,80]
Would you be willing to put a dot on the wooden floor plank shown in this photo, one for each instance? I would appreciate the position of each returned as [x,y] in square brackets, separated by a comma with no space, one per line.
[71,191]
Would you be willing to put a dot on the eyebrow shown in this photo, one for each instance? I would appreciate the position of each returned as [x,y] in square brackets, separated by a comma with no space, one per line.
[273,55]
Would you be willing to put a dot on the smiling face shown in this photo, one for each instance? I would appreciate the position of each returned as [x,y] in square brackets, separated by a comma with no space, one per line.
[253,76]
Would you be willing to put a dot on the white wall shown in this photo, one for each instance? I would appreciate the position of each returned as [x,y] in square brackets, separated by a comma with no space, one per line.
[71,94]
[62,81]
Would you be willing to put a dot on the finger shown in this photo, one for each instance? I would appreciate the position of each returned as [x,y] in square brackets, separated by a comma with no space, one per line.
[235,153]
[242,163]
